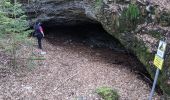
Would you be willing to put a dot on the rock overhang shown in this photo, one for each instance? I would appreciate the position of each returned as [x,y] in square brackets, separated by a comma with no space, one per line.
[59,12]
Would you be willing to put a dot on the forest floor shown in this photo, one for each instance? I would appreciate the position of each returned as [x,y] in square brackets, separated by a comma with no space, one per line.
[73,71]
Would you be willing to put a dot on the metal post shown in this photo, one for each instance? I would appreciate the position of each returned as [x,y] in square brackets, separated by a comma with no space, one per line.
[154,84]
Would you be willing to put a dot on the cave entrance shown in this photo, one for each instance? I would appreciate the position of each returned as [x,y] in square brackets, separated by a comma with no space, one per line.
[90,34]
[93,40]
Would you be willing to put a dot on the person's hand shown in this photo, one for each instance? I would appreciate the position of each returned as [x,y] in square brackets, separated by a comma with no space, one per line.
[41,30]
[43,34]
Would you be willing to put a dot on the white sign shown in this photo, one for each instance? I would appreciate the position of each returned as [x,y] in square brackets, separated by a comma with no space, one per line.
[161,49]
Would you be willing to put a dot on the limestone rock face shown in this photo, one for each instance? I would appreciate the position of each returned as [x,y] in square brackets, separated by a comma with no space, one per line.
[59,12]
[130,21]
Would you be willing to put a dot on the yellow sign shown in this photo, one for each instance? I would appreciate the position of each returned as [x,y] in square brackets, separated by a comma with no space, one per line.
[158,62]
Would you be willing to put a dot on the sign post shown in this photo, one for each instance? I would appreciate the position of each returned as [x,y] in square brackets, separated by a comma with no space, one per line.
[158,62]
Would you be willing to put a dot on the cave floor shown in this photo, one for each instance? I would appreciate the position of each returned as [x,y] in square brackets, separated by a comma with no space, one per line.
[73,71]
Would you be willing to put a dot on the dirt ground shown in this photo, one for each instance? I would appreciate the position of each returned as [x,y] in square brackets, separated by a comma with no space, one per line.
[73,71]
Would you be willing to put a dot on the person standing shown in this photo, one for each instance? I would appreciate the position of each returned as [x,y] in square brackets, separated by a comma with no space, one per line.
[39,34]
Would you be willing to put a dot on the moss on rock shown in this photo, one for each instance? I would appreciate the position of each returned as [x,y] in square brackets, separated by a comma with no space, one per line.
[107,93]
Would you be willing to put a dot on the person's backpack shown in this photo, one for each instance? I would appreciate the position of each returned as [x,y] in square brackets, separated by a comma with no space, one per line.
[35,34]
[36,30]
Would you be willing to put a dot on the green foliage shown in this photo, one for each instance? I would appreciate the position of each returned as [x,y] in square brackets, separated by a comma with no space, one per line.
[12,19]
[133,13]
[129,19]
[107,93]
[14,27]
[98,4]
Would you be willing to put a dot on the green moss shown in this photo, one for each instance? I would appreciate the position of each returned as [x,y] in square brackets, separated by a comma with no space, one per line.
[164,19]
[144,56]
[107,93]
[155,34]
[164,76]
[98,3]
[142,52]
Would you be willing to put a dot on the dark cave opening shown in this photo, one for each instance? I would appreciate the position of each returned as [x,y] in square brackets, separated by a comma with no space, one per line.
[93,35]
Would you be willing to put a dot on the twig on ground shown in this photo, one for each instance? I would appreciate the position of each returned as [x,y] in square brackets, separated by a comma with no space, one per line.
[62,83]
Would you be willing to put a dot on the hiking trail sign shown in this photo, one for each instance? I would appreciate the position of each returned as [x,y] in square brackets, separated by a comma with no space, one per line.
[159,57]
[158,62]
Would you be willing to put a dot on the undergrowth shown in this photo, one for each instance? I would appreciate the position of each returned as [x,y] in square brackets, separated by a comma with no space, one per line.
[14,31]
[107,93]
[129,19]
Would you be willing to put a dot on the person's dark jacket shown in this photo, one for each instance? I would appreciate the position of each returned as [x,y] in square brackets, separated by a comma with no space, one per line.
[37,30]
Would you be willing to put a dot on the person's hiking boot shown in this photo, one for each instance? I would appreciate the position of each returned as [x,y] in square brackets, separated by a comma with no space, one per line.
[43,53]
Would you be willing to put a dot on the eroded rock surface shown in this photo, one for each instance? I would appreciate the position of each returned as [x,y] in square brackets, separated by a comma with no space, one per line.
[59,12]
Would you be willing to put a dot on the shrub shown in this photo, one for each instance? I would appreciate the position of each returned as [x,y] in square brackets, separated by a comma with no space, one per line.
[107,93]
[14,27]
[129,19]
[133,13]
